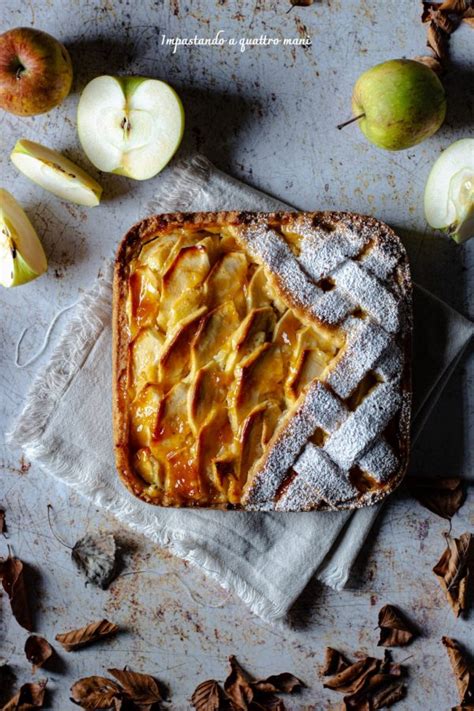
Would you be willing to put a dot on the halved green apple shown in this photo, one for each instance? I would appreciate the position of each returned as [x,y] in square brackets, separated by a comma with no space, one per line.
[55,173]
[22,257]
[449,193]
[130,125]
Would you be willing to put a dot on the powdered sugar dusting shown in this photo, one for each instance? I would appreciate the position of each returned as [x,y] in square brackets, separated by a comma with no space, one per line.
[390,365]
[320,472]
[322,253]
[365,342]
[379,461]
[299,496]
[369,294]
[348,443]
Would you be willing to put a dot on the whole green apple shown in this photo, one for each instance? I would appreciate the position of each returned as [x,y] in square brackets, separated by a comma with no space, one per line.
[35,71]
[400,103]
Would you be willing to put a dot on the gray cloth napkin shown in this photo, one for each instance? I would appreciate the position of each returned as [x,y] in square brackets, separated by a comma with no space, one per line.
[266,559]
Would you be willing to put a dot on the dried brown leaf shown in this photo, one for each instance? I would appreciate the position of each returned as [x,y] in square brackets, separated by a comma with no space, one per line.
[95,556]
[209,696]
[369,683]
[437,41]
[238,685]
[353,678]
[453,570]
[284,683]
[142,689]
[301,3]
[395,629]
[2,521]
[457,7]
[13,581]
[441,496]
[29,697]
[462,669]
[381,691]
[247,693]
[469,21]
[443,21]
[334,662]
[428,8]
[95,692]
[85,635]
[38,650]
[388,693]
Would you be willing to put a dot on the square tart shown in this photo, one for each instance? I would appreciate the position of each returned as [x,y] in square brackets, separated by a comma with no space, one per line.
[261,360]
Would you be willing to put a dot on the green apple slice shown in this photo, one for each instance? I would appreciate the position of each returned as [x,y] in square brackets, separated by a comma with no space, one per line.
[22,257]
[55,173]
[449,192]
[130,125]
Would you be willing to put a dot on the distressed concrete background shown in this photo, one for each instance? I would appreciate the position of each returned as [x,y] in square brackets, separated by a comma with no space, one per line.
[268,116]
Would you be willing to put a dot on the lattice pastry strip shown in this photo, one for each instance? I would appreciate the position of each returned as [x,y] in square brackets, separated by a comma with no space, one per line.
[380,461]
[322,476]
[366,341]
[350,440]
[321,256]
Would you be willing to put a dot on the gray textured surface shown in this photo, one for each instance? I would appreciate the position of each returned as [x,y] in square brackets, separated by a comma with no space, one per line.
[268,116]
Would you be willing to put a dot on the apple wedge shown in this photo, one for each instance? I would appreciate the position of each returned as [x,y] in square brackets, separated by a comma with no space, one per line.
[56,173]
[130,125]
[449,192]
[22,257]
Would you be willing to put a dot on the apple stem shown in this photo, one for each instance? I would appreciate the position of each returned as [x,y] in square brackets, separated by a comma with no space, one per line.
[346,123]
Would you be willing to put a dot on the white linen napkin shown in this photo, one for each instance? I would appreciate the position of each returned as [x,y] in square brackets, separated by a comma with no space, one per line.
[267,559]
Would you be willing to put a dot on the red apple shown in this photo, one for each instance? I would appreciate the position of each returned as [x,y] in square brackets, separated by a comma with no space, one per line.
[35,71]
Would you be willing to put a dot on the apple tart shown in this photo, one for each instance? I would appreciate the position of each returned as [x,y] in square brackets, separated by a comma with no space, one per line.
[261,361]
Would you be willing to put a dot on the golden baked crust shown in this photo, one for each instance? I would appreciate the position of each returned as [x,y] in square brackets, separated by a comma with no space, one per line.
[280,341]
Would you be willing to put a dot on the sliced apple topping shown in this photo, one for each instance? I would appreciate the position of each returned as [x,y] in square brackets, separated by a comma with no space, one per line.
[258,376]
[145,411]
[258,294]
[206,394]
[56,173]
[187,271]
[146,350]
[286,332]
[212,439]
[214,333]
[183,480]
[172,425]
[144,297]
[22,257]
[149,468]
[175,358]
[226,280]
[130,125]
[156,252]
[256,329]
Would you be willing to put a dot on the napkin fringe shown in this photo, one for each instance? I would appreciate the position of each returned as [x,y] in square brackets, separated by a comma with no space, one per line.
[334,577]
[93,310]
[182,186]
